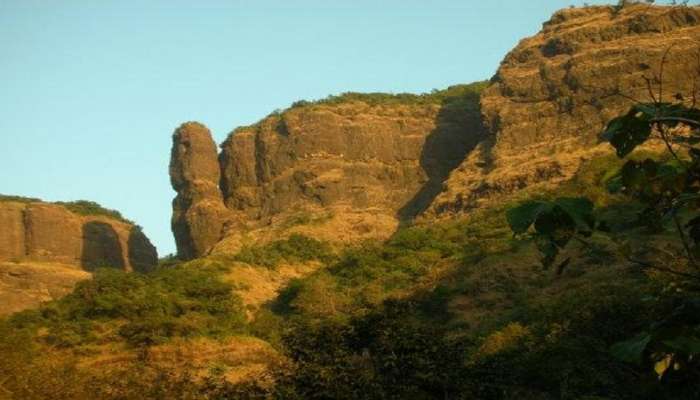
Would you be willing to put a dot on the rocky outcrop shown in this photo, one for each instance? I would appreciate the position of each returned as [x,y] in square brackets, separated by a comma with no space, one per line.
[554,93]
[357,166]
[339,170]
[46,248]
[199,214]
[28,284]
[45,232]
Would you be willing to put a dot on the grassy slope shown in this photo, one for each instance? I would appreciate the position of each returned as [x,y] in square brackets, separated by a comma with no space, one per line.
[457,309]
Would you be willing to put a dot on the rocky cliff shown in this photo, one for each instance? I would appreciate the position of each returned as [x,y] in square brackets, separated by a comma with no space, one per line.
[357,166]
[199,214]
[344,168]
[46,248]
[46,232]
[554,93]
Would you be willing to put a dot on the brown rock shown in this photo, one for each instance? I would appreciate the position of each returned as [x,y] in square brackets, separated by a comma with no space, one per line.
[28,284]
[354,169]
[45,249]
[199,213]
[12,236]
[53,234]
[554,93]
[50,233]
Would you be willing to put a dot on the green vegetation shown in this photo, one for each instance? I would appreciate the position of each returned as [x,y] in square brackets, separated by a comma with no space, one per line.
[668,192]
[450,310]
[453,310]
[141,309]
[82,207]
[18,199]
[297,248]
[451,96]
[85,207]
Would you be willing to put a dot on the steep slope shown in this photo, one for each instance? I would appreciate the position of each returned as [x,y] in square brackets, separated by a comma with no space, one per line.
[341,169]
[45,248]
[357,166]
[554,93]
[198,210]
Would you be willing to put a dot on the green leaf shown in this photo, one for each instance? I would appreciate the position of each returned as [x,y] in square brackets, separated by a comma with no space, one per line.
[634,175]
[631,350]
[520,218]
[580,209]
[629,131]
[548,249]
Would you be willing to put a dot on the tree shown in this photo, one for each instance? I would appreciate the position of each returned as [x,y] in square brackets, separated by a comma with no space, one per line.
[669,190]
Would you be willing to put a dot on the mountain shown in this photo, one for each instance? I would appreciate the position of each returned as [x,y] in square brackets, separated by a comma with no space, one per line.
[358,166]
[362,247]
[346,168]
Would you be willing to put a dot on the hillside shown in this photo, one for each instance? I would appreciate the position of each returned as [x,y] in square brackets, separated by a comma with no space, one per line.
[372,246]
[342,169]
[358,166]
[45,248]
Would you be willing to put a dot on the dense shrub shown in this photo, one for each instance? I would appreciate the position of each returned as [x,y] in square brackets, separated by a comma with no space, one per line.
[145,309]
[297,248]
[86,207]
[82,207]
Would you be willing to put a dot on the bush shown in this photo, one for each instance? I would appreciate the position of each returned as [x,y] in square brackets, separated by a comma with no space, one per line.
[297,248]
[145,309]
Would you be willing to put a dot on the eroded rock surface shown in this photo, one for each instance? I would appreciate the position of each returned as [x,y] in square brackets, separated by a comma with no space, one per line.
[199,214]
[45,232]
[554,93]
[45,249]
[357,167]
[338,170]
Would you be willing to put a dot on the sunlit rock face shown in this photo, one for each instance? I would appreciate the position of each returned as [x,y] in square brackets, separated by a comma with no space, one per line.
[45,249]
[198,210]
[45,232]
[359,166]
[341,170]
[555,91]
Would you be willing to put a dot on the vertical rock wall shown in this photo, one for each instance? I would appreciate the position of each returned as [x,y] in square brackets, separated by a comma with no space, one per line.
[44,232]
[199,213]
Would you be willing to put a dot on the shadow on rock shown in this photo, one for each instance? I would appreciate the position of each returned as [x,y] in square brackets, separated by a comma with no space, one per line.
[142,255]
[458,129]
[101,247]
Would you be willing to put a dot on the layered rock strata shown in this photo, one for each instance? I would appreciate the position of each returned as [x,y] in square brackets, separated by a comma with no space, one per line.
[340,171]
[45,249]
[45,232]
[555,91]
[356,167]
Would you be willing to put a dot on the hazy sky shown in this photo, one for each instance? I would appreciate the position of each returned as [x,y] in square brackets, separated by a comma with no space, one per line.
[90,91]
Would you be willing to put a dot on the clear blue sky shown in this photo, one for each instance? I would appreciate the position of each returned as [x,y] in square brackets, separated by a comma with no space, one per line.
[90,91]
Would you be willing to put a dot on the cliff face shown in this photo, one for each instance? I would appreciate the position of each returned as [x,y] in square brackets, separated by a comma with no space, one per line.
[357,166]
[343,169]
[554,93]
[44,232]
[199,214]
[46,248]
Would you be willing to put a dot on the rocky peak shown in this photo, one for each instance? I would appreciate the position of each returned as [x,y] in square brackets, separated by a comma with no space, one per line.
[555,91]
[356,165]
[198,210]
